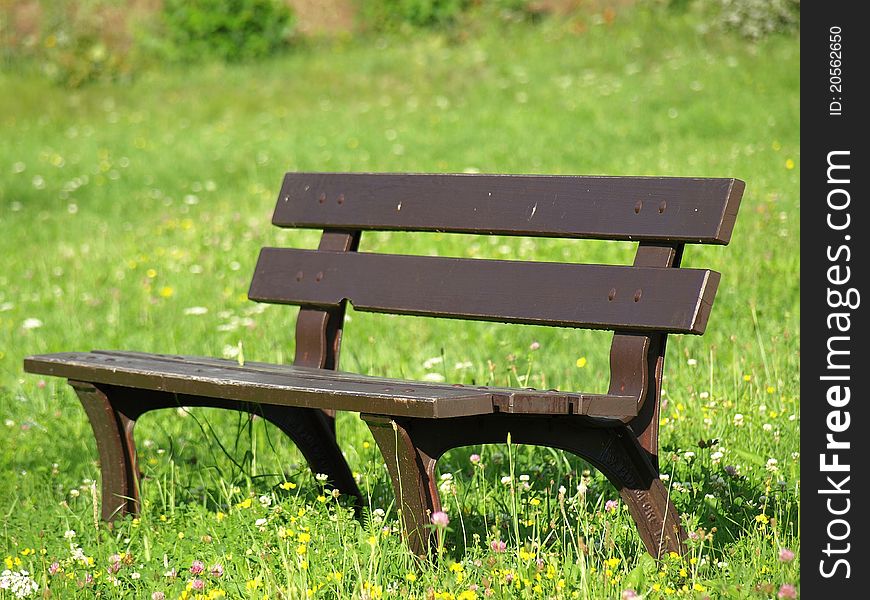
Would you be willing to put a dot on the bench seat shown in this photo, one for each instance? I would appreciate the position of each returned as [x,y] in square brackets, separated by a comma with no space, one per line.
[317,388]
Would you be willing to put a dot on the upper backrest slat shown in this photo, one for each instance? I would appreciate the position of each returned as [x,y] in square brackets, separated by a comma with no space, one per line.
[619,208]
[571,295]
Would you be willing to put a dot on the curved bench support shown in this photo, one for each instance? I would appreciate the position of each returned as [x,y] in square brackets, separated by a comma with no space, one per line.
[113,411]
[411,448]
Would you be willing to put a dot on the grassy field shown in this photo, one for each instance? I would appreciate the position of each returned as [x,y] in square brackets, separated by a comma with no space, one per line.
[131,217]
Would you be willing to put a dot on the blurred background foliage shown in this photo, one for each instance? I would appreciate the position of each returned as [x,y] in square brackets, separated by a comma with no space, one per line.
[74,42]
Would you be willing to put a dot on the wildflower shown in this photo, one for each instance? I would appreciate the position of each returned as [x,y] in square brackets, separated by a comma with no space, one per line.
[789,165]
[431,362]
[738,420]
[467,595]
[689,455]
[433,377]
[772,465]
[31,323]
[630,594]
[54,568]
[475,459]
[301,549]
[197,567]
[261,522]
[732,470]
[304,537]
[762,520]
[287,486]
[611,505]
[582,489]
[158,596]
[440,519]
[321,477]
[196,310]
[216,570]
[197,584]
[171,574]
[506,479]
[166,291]
[534,346]
[786,555]
[69,534]
[581,362]
[787,590]
[692,362]
[716,457]
[18,582]
[411,577]
[498,546]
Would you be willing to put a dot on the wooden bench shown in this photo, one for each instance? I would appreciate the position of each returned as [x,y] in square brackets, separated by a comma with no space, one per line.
[413,422]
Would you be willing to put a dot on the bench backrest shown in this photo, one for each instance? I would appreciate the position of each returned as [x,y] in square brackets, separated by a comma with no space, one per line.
[641,303]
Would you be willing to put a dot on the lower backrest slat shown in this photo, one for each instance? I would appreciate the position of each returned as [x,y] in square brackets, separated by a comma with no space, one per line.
[568,295]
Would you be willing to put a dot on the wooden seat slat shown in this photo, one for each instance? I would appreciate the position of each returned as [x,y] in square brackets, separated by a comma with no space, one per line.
[306,387]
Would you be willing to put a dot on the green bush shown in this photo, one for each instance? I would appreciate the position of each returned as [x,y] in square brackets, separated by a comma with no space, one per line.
[390,14]
[758,18]
[76,42]
[229,30]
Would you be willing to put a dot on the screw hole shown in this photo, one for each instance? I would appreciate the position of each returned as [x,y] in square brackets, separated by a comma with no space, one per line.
[638,206]
[611,294]
[341,198]
[299,276]
[319,276]
[322,198]
[662,207]
[637,295]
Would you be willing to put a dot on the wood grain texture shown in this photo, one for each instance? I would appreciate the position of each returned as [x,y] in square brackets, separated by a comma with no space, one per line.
[315,388]
[619,208]
[568,295]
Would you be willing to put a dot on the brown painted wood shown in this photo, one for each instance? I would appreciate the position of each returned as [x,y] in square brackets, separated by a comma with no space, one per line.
[113,432]
[315,388]
[568,295]
[411,448]
[624,208]
[318,332]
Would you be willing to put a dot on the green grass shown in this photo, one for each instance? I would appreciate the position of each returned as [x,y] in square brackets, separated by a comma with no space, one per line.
[122,206]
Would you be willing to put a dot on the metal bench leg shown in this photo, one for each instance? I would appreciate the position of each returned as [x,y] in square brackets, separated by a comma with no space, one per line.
[114,434]
[412,446]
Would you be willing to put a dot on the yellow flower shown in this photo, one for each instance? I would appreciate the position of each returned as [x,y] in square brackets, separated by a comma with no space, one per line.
[321,499]
[612,562]
[181,535]
[411,577]
[288,485]
[304,538]
[789,164]
[581,362]
[220,516]
[762,519]
[301,549]
[151,273]
[467,595]
[684,573]
[534,502]
[747,377]
[337,575]
[699,588]
[373,541]
[246,503]
[456,567]
[770,389]
[526,555]
[253,584]
[166,291]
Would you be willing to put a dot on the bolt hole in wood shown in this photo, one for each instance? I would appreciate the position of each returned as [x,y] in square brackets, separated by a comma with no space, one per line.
[611,295]
[322,198]
[662,207]
[637,295]
[638,206]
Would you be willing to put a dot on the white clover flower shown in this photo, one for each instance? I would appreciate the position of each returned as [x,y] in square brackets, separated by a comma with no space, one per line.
[738,420]
[265,500]
[31,323]
[69,534]
[506,479]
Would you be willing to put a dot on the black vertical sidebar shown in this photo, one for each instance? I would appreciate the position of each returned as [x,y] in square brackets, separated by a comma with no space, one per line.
[835,430]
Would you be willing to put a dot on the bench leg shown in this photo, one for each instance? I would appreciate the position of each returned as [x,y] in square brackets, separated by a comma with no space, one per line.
[412,446]
[412,471]
[313,432]
[113,432]
[113,411]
